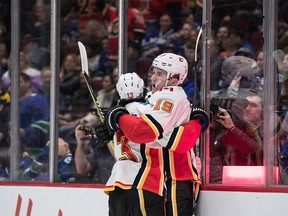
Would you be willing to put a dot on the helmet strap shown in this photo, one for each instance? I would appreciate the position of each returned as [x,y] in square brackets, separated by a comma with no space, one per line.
[166,83]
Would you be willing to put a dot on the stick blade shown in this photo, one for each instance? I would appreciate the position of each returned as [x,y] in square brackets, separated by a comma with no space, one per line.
[84,59]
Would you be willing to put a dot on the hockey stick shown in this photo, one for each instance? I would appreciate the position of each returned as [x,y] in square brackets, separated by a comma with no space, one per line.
[84,65]
[197,42]
[196,65]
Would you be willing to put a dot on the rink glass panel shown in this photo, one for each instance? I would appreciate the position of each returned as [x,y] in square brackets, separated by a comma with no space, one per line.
[262,165]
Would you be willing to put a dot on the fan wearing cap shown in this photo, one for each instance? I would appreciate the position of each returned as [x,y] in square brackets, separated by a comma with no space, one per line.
[238,73]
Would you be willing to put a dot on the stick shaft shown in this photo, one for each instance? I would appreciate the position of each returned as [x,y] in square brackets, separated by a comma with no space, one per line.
[84,65]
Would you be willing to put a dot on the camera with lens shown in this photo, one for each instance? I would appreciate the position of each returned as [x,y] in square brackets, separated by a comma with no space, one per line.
[89,135]
[88,131]
[223,102]
[227,103]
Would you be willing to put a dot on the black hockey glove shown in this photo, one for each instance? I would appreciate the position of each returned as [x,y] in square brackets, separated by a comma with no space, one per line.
[198,113]
[104,135]
[112,117]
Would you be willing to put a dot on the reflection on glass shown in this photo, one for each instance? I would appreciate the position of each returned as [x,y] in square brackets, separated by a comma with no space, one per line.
[237,129]
[281,58]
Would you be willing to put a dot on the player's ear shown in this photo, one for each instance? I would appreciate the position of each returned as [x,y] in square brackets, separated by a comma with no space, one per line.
[174,81]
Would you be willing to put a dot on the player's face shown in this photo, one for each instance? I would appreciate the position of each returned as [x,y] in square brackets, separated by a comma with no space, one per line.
[130,95]
[158,79]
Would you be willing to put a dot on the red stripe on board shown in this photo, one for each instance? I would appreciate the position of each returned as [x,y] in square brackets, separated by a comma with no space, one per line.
[47,184]
[29,207]
[18,206]
[60,213]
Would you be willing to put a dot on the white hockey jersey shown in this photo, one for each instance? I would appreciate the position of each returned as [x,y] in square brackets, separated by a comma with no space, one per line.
[141,166]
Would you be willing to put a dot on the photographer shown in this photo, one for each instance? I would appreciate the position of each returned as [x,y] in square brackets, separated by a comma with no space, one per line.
[238,138]
[92,159]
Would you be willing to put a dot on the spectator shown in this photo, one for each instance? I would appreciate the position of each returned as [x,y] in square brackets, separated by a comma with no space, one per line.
[81,104]
[105,64]
[216,82]
[240,144]
[70,33]
[94,56]
[34,73]
[41,28]
[222,34]
[244,23]
[183,36]
[3,58]
[38,170]
[231,45]
[174,8]
[236,134]
[27,16]
[242,51]
[188,16]
[24,160]
[25,67]
[91,158]
[115,74]
[87,11]
[260,62]
[156,39]
[4,118]
[38,56]
[92,36]
[283,71]
[94,33]
[133,54]
[69,81]
[150,10]
[108,96]
[259,79]
[46,80]
[189,84]
[136,27]
[34,114]
[4,164]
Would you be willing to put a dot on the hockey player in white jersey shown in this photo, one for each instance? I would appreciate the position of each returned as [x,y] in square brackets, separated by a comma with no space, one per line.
[136,185]
[170,106]
[154,171]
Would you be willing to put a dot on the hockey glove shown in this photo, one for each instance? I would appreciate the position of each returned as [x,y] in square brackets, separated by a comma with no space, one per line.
[103,134]
[112,117]
[202,116]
